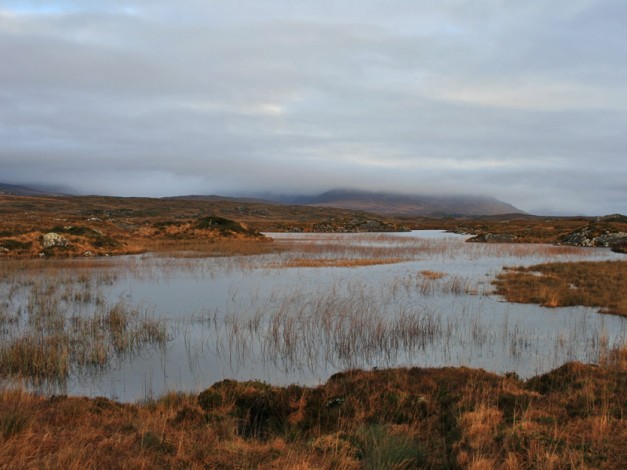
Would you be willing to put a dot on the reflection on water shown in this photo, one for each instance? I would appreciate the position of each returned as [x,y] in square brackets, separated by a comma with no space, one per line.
[427,303]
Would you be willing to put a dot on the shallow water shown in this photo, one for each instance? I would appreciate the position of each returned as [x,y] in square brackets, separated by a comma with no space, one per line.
[253,318]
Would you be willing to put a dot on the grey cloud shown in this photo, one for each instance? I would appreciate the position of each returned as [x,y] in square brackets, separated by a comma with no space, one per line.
[524,101]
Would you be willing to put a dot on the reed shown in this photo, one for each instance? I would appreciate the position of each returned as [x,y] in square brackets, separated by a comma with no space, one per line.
[48,343]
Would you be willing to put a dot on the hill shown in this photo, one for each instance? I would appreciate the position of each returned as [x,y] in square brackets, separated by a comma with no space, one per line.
[39,225]
[18,190]
[395,204]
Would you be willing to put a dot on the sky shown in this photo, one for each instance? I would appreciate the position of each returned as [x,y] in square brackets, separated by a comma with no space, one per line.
[525,101]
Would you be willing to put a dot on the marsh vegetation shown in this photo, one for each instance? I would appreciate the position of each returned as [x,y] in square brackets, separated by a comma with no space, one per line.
[572,417]
[599,284]
[309,306]
[317,351]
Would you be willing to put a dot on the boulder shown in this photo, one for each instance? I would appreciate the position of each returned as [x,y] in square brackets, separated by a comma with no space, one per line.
[52,239]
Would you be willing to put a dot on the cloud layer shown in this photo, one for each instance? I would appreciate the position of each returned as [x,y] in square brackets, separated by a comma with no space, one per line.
[524,101]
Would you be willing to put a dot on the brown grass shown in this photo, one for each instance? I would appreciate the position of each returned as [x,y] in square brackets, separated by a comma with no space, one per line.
[98,226]
[338,262]
[45,343]
[571,417]
[590,283]
[108,225]
[433,275]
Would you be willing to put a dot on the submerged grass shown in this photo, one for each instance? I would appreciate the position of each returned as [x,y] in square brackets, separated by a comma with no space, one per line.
[588,283]
[60,333]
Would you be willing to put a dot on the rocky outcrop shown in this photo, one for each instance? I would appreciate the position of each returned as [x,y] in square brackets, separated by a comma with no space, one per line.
[598,234]
[54,240]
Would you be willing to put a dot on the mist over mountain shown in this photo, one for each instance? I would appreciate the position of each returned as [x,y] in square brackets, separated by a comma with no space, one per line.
[383,203]
[386,203]
[20,190]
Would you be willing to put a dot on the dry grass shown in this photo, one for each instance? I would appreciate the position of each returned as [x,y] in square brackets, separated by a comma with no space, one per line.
[400,418]
[45,343]
[338,262]
[107,225]
[593,284]
[432,274]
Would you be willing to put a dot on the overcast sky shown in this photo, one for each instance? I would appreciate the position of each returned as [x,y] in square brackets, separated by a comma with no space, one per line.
[525,101]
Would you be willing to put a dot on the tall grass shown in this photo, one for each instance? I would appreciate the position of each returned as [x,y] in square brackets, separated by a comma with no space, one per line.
[50,340]
[61,306]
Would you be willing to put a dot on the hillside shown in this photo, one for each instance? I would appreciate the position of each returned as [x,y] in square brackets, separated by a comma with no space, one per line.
[405,205]
[97,225]
[18,190]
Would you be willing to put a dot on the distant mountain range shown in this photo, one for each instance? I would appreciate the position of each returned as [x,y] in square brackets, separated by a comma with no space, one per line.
[389,204]
[403,205]
[18,190]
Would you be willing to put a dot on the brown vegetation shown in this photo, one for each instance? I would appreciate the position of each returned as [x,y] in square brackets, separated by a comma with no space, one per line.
[593,284]
[92,225]
[44,345]
[338,262]
[96,225]
[534,229]
[572,417]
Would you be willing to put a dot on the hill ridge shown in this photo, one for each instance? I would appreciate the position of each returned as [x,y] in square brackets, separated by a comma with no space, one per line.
[390,203]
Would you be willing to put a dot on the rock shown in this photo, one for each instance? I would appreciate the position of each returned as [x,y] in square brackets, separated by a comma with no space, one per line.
[51,240]
[587,237]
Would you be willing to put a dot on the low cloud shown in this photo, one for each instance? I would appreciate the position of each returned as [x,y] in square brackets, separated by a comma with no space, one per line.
[526,103]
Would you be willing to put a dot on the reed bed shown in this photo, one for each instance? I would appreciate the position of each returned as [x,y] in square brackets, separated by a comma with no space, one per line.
[337,262]
[386,246]
[352,325]
[301,334]
[66,328]
[63,306]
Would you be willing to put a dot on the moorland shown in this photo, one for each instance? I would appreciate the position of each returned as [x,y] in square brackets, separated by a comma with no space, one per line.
[95,225]
[450,417]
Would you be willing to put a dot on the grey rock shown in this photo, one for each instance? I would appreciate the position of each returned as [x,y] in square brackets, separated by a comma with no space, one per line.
[585,237]
[52,239]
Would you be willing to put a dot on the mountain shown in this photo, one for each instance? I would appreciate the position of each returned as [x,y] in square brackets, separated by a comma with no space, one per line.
[404,205]
[18,190]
